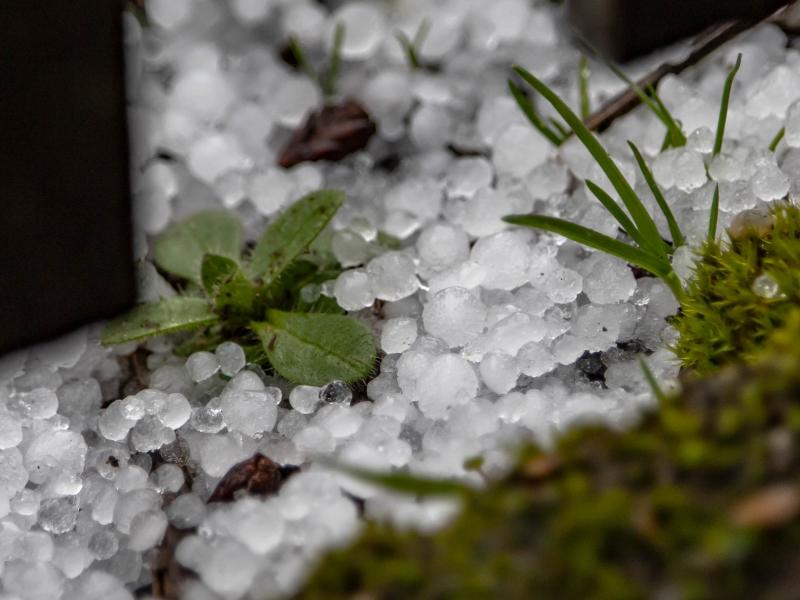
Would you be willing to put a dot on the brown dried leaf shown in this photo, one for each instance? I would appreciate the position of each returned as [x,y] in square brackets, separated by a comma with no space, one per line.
[257,475]
[330,133]
[771,506]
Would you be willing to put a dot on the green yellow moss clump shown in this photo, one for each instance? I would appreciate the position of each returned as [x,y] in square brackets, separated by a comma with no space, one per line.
[742,290]
[700,501]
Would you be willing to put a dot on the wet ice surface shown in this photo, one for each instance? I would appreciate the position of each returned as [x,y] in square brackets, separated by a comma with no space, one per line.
[492,335]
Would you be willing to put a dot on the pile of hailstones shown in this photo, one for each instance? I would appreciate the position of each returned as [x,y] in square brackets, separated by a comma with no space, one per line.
[490,334]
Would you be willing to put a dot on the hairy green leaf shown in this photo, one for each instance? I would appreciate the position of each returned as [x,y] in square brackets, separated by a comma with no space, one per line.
[227,285]
[317,348]
[180,250]
[644,223]
[674,229]
[167,316]
[723,107]
[291,233]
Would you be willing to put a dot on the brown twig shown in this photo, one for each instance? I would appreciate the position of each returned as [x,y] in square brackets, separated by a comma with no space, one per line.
[706,43]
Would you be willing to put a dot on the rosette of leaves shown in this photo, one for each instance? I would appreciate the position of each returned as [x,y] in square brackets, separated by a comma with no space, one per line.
[259,299]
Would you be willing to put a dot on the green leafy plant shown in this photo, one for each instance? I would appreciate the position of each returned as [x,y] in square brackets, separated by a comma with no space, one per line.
[258,299]
[651,251]
[325,79]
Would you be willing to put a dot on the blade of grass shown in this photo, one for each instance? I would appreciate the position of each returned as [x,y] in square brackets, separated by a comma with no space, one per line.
[675,136]
[412,47]
[674,229]
[565,133]
[616,210]
[712,220]
[723,107]
[633,204]
[773,145]
[651,380]
[302,60]
[527,108]
[593,239]
[583,87]
[329,83]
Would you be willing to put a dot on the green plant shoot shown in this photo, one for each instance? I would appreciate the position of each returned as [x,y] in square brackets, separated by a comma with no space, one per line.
[256,299]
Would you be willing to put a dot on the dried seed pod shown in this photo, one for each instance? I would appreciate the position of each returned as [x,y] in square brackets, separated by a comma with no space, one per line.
[256,475]
[330,133]
[754,221]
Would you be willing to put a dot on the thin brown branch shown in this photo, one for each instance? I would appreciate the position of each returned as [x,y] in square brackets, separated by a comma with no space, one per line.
[706,43]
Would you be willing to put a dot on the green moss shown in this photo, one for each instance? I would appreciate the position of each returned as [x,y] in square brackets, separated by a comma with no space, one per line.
[700,501]
[722,318]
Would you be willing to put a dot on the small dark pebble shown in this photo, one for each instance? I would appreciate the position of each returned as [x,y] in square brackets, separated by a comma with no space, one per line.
[591,365]
[639,272]
[258,475]
[330,133]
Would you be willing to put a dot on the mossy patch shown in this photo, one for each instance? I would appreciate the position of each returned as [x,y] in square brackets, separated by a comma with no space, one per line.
[724,316]
[701,500]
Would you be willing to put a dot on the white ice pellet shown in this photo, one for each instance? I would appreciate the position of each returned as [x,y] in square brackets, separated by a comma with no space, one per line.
[354,289]
[186,511]
[349,248]
[269,190]
[689,170]
[483,213]
[465,176]
[168,14]
[769,182]
[174,411]
[606,280]
[55,453]
[535,359]
[314,440]
[304,398]
[230,357]
[201,365]
[393,276]
[219,453]
[447,381]
[430,126]
[147,529]
[701,140]
[441,246]
[420,197]
[364,25]
[294,98]
[505,257]
[10,430]
[168,478]
[251,12]
[202,94]
[518,150]
[248,411]
[773,94]
[229,568]
[214,155]
[455,315]
[398,334]
[792,126]
[130,477]
[150,434]
[499,371]
[40,403]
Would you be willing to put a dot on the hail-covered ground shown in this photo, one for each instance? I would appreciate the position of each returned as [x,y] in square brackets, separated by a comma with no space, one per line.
[491,334]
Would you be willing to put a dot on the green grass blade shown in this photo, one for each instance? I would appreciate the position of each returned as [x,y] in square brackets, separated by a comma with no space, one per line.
[723,107]
[300,56]
[674,229]
[651,381]
[588,237]
[616,210]
[329,84]
[773,145]
[644,223]
[565,133]
[583,87]
[527,108]
[675,136]
[712,220]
